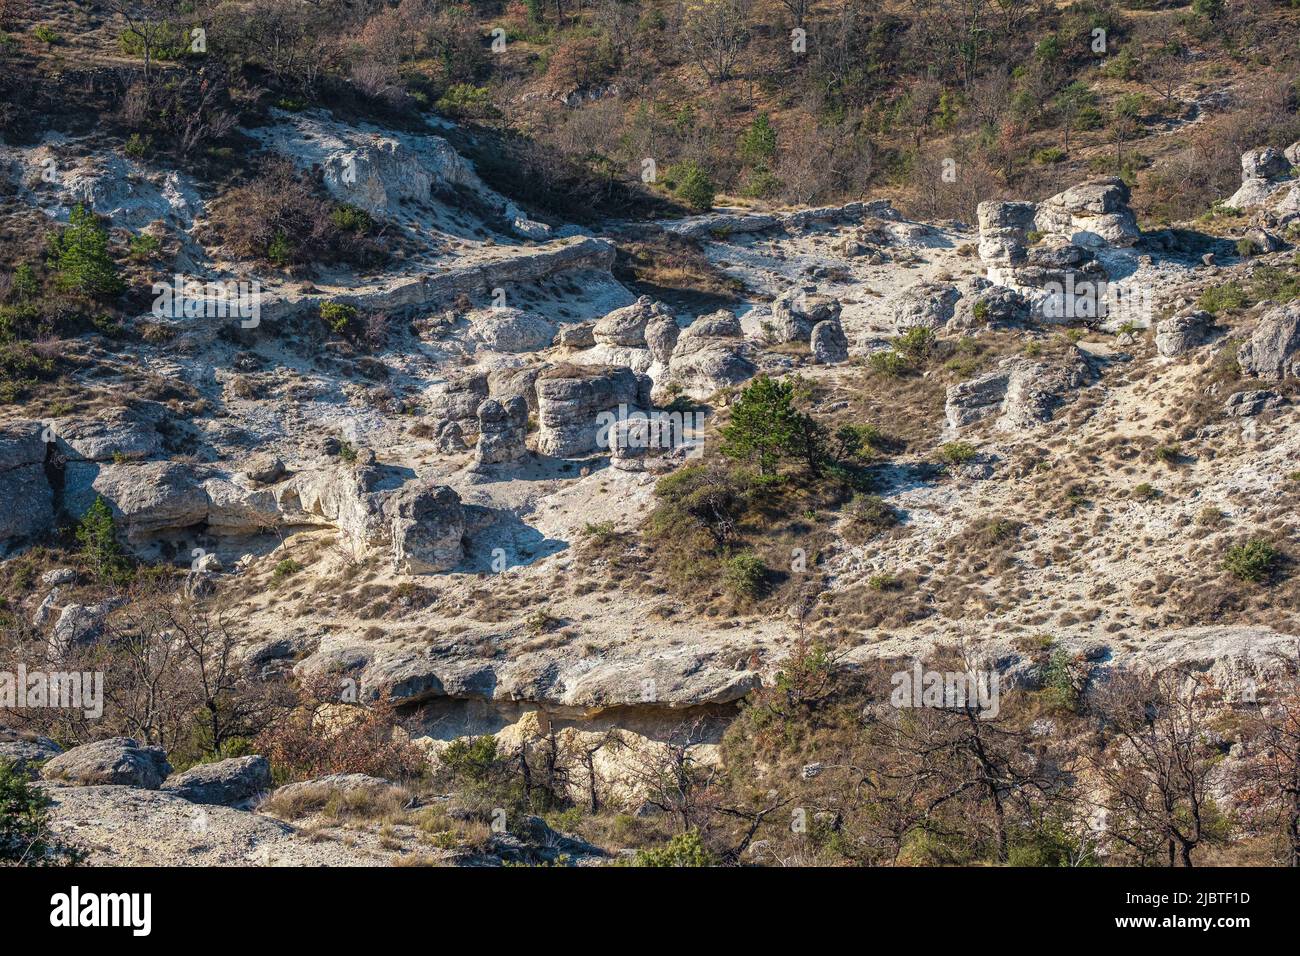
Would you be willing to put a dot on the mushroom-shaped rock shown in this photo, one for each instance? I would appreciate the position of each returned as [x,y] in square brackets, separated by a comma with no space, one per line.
[626,326]
[511,330]
[1093,214]
[570,401]
[711,354]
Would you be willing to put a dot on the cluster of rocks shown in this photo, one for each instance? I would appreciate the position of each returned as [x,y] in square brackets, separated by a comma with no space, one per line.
[123,762]
[1057,273]
[1020,393]
[150,498]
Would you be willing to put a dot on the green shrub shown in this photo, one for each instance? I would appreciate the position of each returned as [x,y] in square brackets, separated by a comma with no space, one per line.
[872,513]
[1229,295]
[166,42]
[1049,155]
[352,219]
[466,101]
[97,535]
[1246,248]
[279,251]
[24,285]
[889,362]
[1058,681]
[137,146]
[691,184]
[24,823]
[79,256]
[745,576]
[957,452]
[471,759]
[144,246]
[339,316]
[857,442]
[766,426]
[46,34]
[683,850]
[286,568]
[915,344]
[1253,561]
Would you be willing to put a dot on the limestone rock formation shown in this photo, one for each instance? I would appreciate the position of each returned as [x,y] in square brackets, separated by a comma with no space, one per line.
[797,310]
[502,428]
[1003,228]
[146,498]
[1273,350]
[1184,332]
[1020,392]
[829,344]
[1095,213]
[21,749]
[569,399]
[627,326]
[118,760]
[459,399]
[928,305]
[507,383]
[711,353]
[28,508]
[427,524]
[511,330]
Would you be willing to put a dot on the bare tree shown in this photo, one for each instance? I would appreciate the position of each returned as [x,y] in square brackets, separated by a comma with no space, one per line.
[1156,763]
[715,33]
[1269,780]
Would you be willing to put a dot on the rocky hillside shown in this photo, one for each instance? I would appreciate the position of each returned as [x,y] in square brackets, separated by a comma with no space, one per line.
[406,523]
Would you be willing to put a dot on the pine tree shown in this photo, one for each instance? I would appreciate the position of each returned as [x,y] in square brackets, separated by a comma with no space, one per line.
[766,426]
[97,535]
[80,258]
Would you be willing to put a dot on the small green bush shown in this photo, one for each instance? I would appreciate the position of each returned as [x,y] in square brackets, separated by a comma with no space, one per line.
[80,259]
[889,362]
[1229,295]
[745,576]
[957,453]
[349,218]
[97,535]
[339,316]
[286,568]
[683,850]
[1253,561]
[691,184]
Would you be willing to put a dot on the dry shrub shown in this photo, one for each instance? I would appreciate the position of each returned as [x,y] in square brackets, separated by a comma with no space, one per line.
[318,738]
[280,218]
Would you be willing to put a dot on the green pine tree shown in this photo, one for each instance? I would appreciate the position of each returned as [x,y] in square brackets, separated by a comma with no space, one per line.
[80,259]
[766,426]
[97,535]
[758,144]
